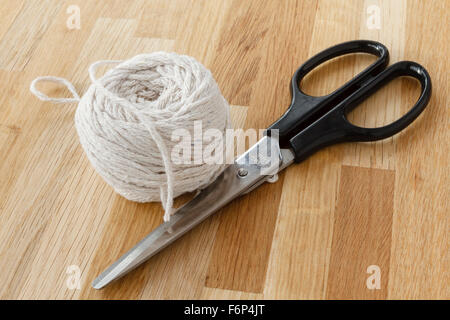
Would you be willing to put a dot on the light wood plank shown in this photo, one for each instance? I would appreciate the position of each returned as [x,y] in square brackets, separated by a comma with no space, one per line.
[305,223]
[420,241]
[361,234]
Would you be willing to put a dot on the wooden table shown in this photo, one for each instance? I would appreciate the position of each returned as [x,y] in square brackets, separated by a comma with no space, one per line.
[349,213]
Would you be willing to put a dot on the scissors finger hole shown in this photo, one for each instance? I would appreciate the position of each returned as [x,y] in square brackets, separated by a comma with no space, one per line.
[334,73]
[388,104]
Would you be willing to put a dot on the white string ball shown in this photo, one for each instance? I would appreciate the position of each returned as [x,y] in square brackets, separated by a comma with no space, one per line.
[126,118]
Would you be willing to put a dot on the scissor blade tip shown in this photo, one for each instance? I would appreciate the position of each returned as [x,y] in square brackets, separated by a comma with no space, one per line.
[96,284]
[99,282]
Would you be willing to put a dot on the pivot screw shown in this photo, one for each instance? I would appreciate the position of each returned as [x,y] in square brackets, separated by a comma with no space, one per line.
[242,172]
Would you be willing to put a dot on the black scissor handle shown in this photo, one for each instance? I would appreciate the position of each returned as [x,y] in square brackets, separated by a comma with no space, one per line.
[305,109]
[334,126]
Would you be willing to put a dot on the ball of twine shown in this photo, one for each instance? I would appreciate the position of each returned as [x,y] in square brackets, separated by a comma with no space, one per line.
[126,119]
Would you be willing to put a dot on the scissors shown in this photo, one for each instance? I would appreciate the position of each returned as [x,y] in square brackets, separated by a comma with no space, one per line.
[309,124]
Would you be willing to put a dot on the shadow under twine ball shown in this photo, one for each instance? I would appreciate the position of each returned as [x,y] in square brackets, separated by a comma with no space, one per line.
[127,118]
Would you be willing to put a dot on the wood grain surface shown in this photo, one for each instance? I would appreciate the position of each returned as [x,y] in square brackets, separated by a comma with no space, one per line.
[318,233]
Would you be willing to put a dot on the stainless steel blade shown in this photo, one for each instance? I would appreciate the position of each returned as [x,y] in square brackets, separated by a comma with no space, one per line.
[235,180]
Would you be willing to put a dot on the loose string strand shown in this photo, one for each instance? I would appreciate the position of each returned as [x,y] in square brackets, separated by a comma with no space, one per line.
[58,80]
